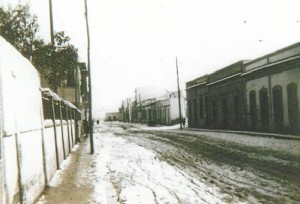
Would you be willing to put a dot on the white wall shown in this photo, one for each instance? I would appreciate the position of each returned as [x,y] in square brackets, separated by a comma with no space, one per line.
[28,154]
[22,125]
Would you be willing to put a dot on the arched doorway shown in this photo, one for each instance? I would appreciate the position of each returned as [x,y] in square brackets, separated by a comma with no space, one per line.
[253,111]
[264,108]
[278,108]
[293,111]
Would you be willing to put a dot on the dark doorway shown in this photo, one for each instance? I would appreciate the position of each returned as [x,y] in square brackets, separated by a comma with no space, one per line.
[237,112]
[201,112]
[214,107]
[293,107]
[252,99]
[278,108]
[225,113]
[206,104]
[264,108]
[195,107]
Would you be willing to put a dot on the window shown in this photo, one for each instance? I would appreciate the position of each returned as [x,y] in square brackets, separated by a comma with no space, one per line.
[201,105]
[236,101]
[293,110]
[190,109]
[225,112]
[206,108]
[278,108]
[168,116]
[195,109]
[214,107]
[71,77]
[252,100]
[264,108]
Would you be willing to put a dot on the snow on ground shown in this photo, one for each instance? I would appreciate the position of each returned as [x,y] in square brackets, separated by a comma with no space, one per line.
[291,146]
[137,176]
[257,140]
[265,140]
[162,127]
[127,169]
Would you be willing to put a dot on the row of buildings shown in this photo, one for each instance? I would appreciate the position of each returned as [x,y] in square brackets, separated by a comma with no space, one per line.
[259,95]
[154,106]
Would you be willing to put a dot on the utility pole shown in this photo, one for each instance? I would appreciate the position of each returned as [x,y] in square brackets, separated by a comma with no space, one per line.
[129,109]
[179,103]
[141,108]
[90,81]
[51,23]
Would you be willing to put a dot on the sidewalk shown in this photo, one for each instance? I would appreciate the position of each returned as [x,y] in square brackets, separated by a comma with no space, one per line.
[259,134]
[199,130]
[71,184]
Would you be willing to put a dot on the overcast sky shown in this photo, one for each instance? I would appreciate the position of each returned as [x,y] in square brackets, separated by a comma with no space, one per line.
[134,42]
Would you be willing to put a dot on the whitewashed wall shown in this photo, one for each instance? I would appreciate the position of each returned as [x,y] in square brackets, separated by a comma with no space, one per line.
[22,126]
[28,153]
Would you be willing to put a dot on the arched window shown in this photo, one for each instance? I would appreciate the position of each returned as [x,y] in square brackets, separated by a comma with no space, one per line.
[264,108]
[195,107]
[206,104]
[225,112]
[201,105]
[253,112]
[214,107]
[293,110]
[278,108]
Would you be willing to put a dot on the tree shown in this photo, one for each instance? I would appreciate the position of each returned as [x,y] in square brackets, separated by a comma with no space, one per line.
[20,28]
[54,62]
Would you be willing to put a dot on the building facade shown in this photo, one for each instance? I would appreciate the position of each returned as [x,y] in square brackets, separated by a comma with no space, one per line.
[153,107]
[113,116]
[272,90]
[258,95]
[75,89]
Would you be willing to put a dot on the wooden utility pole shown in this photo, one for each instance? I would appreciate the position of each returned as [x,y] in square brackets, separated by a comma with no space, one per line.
[141,108]
[91,123]
[179,100]
[51,23]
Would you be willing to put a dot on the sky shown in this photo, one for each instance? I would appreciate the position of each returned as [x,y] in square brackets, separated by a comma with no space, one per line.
[134,43]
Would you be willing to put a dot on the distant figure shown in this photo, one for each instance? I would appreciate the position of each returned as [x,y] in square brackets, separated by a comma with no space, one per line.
[97,122]
[183,122]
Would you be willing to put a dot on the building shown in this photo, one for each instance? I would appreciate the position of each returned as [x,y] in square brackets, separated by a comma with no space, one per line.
[167,108]
[126,110]
[75,89]
[113,116]
[215,100]
[272,90]
[153,106]
[226,97]
[197,93]
[260,95]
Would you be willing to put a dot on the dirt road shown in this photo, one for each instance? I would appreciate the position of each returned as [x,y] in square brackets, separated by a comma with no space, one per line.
[134,165]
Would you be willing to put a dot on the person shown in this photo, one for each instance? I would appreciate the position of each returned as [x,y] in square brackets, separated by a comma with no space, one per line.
[97,122]
[183,122]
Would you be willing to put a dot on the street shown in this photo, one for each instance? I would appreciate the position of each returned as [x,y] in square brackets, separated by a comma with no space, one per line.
[136,164]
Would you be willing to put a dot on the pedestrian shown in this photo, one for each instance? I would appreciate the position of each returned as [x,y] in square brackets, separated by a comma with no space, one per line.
[183,122]
[97,122]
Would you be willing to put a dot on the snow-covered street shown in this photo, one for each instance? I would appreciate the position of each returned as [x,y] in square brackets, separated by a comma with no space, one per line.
[134,165]
[136,175]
